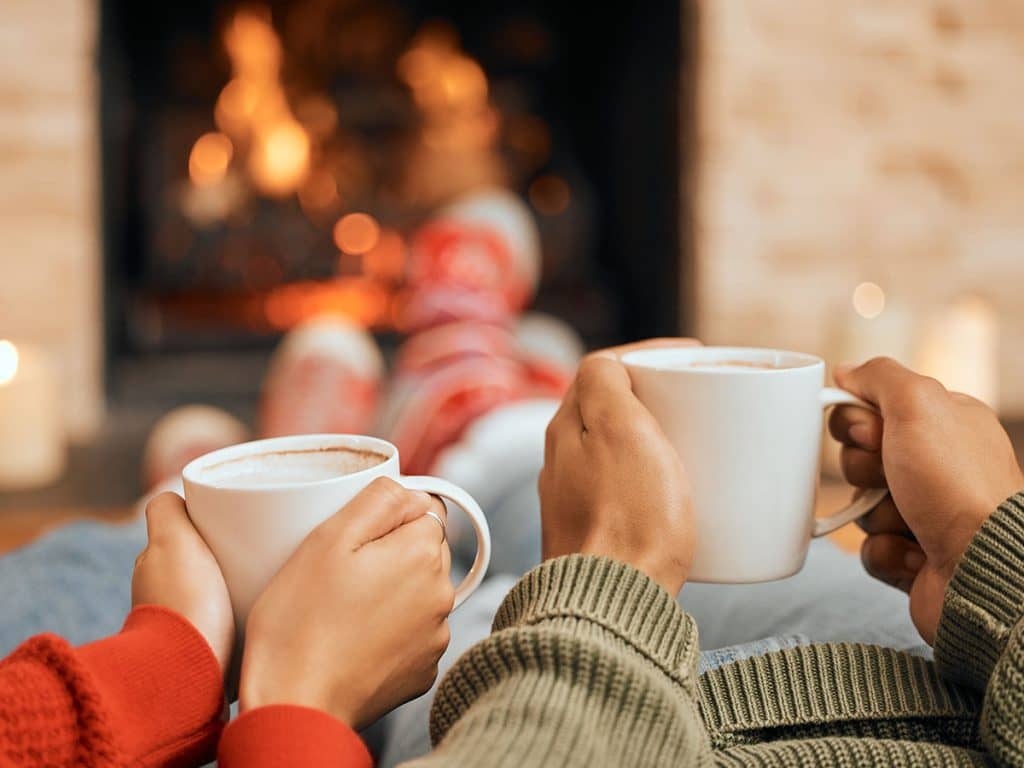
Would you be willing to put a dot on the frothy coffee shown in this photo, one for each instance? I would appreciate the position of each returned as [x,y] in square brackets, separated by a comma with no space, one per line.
[735,364]
[290,467]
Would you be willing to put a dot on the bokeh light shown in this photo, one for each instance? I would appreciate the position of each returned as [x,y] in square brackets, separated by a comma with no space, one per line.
[386,260]
[868,300]
[280,158]
[463,82]
[209,159]
[236,105]
[549,195]
[356,233]
[320,192]
[8,361]
[530,136]
[253,45]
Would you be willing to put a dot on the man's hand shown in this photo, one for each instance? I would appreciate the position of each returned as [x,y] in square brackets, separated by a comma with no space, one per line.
[176,570]
[612,484]
[948,464]
[357,619]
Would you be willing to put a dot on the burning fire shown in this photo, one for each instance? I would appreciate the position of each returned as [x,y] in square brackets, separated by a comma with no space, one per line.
[364,301]
[279,161]
[253,108]
[264,144]
[253,45]
[451,91]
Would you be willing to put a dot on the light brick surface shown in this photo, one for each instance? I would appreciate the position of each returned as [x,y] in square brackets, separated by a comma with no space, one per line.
[50,266]
[856,140]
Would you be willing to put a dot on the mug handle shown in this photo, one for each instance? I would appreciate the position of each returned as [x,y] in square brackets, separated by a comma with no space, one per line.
[859,507]
[452,492]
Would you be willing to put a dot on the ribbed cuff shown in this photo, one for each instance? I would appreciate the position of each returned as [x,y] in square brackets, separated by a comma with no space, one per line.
[285,735]
[161,684]
[985,598]
[60,709]
[616,596]
[827,683]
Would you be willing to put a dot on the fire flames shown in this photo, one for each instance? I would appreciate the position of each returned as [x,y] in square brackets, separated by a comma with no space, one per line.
[253,109]
[280,144]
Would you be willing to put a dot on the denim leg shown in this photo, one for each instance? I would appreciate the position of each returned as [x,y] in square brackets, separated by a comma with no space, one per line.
[74,582]
[831,599]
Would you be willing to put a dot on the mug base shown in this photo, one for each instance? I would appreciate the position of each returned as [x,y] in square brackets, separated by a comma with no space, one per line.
[744,579]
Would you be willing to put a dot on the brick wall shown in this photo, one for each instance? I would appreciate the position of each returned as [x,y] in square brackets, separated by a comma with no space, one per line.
[859,140]
[49,255]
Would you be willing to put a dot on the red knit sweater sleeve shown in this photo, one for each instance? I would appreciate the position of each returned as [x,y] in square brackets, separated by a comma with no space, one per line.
[148,696]
[286,736]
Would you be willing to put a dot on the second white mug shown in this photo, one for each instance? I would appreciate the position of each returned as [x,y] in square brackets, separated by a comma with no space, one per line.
[747,424]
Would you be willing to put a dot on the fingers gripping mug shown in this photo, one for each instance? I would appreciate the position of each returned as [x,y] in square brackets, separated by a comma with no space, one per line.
[747,424]
[254,503]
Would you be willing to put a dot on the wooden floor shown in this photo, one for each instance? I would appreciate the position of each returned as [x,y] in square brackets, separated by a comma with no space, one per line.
[20,527]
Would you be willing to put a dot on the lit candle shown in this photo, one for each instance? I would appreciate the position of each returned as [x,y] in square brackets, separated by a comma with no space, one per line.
[32,448]
[960,348]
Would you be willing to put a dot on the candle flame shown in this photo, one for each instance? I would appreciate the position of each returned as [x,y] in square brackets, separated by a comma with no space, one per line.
[8,361]
[868,300]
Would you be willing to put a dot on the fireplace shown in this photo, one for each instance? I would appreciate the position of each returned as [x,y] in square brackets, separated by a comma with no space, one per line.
[262,163]
[755,172]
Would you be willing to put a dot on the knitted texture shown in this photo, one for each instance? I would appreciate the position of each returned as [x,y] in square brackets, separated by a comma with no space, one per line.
[149,696]
[593,653]
[50,709]
[287,736]
[591,664]
[980,639]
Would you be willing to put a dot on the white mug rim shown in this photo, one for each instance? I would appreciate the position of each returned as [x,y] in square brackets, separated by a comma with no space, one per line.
[667,360]
[193,470]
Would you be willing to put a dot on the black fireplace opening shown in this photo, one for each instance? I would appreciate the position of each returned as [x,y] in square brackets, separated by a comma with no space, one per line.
[582,110]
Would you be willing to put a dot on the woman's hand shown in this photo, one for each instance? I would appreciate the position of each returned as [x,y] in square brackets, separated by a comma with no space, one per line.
[357,619]
[612,484]
[176,570]
[948,464]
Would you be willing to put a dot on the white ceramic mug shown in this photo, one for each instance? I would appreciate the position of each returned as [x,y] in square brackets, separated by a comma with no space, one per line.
[252,530]
[750,439]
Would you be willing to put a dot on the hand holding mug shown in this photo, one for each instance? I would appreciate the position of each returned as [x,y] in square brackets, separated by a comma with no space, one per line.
[355,621]
[948,464]
[747,425]
[176,570]
[611,483]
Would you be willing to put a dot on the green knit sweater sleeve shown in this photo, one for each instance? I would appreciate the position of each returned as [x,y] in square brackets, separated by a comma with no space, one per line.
[980,638]
[590,663]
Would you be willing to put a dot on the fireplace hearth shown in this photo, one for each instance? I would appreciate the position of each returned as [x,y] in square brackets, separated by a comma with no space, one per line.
[263,163]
